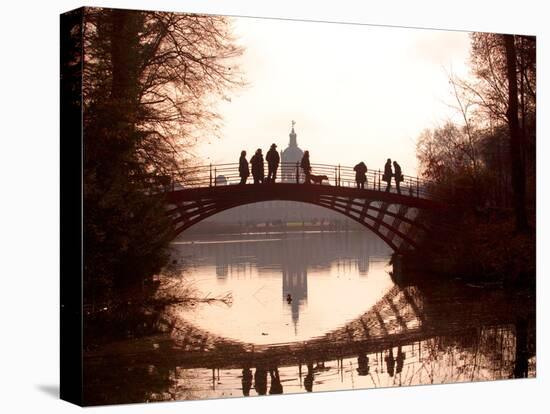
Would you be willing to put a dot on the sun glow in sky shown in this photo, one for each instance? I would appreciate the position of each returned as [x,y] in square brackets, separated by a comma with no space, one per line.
[356,92]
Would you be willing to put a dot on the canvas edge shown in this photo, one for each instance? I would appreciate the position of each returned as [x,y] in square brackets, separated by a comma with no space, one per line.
[71,237]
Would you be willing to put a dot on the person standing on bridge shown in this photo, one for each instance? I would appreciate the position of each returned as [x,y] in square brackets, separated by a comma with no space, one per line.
[388,174]
[360,174]
[398,175]
[306,167]
[244,171]
[257,163]
[272,157]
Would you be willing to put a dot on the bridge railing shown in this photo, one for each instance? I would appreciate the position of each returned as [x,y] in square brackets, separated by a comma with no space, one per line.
[214,175]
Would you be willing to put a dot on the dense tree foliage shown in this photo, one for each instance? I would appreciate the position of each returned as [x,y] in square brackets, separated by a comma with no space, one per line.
[478,160]
[484,166]
[150,81]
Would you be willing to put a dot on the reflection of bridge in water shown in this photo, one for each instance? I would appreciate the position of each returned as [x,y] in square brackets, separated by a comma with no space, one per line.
[403,316]
[413,335]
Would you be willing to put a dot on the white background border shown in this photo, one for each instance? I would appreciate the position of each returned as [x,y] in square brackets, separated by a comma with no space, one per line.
[29,208]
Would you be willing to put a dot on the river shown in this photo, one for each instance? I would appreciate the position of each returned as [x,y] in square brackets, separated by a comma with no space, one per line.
[306,312]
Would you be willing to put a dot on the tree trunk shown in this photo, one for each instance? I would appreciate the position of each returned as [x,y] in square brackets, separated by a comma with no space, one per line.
[517,165]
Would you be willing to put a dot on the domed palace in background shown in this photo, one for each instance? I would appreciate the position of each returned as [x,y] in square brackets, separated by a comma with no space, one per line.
[289,157]
[289,213]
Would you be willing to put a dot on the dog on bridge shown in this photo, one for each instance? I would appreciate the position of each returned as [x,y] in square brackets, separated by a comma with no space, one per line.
[317,179]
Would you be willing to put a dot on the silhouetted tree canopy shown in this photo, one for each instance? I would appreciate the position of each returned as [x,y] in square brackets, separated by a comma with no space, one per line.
[477,156]
[150,84]
[163,72]
[484,167]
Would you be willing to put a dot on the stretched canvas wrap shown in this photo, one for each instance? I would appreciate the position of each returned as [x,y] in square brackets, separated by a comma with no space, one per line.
[258,206]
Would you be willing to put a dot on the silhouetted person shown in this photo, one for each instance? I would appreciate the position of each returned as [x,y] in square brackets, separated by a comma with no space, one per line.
[247,381]
[390,362]
[399,360]
[362,364]
[272,157]
[244,171]
[308,380]
[260,381]
[257,163]
[360,174]
[388,174]
[288,298]
[276,387]
[306,166]
[398,175]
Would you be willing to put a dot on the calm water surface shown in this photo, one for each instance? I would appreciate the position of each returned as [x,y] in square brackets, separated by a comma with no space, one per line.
[347,325]
[331,279]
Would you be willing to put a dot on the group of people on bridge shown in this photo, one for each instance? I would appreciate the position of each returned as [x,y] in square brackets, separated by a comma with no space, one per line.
[257,166]
[397,174]
[273,160]
[361,175]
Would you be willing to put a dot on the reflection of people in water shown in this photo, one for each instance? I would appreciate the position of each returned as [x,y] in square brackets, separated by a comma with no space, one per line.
[399,359]
[390,362]
[362,364]
[247,381]
[521,366]
[260,380]
[276,387]
[308,380]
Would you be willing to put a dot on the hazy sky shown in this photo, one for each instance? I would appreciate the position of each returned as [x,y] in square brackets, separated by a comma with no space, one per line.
[356,92]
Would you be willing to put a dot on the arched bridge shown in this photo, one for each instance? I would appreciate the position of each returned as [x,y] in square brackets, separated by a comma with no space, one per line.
[200,192]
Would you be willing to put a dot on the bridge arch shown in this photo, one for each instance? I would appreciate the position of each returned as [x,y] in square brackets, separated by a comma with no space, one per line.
[392,217]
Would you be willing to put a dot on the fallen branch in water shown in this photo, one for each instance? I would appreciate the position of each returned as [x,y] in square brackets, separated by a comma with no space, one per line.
[126,306]
[226,299]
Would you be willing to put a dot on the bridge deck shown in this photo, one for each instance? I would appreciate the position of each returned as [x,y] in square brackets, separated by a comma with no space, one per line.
[295,192]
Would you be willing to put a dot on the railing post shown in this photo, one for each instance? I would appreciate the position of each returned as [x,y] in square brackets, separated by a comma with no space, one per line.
[417,188]
[336,176]
[297,173]
[339,176]
[215,175]
[379,179]
[210,174]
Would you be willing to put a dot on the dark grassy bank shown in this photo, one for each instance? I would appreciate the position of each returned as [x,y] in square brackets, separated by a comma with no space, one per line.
[478,247]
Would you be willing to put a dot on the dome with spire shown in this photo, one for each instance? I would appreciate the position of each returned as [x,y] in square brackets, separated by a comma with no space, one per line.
[291,155]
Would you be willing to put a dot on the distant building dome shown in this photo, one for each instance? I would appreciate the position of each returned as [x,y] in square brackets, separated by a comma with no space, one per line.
[290,156]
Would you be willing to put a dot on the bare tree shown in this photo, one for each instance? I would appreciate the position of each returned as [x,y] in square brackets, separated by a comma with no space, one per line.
[150,83]
[175,67]
[503,68]
[516,150]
